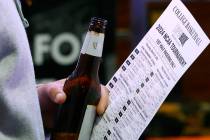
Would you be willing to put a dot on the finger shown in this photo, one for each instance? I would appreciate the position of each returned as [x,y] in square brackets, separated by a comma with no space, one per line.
[61,82]
[56,94]
[103,103]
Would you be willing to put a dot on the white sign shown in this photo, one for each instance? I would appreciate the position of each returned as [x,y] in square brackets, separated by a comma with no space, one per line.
[45,44]
[149,73]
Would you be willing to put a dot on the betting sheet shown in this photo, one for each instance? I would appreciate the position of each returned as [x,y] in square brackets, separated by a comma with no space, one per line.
[144,80]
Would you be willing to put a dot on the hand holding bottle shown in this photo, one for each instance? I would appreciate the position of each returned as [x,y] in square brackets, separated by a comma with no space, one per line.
[51,94]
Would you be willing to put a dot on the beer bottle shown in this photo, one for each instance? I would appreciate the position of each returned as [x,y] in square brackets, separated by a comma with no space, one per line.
[76,116]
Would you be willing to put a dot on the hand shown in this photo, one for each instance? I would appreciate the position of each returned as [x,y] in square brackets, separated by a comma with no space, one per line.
[51,94]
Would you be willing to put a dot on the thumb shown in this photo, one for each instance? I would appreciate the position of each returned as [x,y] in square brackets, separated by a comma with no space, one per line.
[56,94]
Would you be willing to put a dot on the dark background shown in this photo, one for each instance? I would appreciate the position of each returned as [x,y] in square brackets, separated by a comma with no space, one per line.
[56,33]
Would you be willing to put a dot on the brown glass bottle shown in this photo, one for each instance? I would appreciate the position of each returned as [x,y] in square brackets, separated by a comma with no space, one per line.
[76,115]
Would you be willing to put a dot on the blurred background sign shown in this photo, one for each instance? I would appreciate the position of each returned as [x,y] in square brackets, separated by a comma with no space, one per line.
[57,30]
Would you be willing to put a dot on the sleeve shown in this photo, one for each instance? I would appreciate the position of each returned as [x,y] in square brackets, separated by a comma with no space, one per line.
[20,117]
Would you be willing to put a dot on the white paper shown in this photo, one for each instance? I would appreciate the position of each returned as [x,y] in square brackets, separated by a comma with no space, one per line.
[149,73]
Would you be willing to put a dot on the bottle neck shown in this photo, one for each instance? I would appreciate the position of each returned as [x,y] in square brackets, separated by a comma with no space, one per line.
[91,53]
[88,65]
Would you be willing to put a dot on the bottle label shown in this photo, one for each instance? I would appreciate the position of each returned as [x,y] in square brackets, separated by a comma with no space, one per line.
[93,44]
[87,124]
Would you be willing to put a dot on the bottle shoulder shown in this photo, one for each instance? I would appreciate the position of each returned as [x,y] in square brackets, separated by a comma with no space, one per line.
[81,80]
[81,86]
